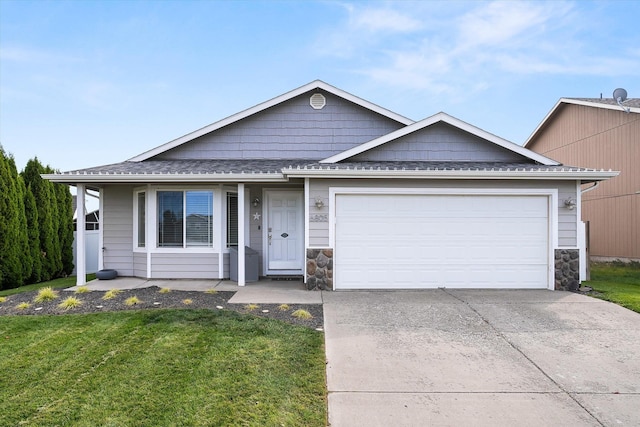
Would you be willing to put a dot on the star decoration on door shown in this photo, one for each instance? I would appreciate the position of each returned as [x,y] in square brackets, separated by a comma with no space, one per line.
[256,216]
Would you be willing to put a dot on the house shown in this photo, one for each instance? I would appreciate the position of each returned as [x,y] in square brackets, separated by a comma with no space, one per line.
[598,133]
[349,195]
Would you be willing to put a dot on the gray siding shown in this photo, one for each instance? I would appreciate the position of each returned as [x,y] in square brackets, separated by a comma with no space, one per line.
[140,264]
[117,225]
[319,231]
[291,130]
[184,266]
[441,142]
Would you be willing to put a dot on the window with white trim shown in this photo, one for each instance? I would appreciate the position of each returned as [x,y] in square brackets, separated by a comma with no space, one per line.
[141,219]
[232,220]
[185,219]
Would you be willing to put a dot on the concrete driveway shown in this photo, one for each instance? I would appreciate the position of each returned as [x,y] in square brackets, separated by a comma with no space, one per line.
[480,358]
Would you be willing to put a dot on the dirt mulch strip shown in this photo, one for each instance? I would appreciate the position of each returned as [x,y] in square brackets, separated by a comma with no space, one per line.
[151,298]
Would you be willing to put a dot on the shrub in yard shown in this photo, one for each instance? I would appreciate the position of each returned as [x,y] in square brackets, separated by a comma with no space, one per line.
[110,294]
[69,303]
[46,294]
[187,301]
[211,291]
[131,301]
[81,290]
[302,314]
[283,307]
[3,299]
[23,305]
[251,307]
[164,290]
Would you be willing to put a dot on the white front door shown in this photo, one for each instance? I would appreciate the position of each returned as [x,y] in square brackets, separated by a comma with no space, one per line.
[284,232]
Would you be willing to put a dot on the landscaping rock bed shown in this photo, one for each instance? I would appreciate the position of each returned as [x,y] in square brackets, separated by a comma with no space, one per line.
[152,298]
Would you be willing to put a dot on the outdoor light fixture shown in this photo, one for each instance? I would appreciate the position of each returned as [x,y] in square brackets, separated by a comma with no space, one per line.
[570,204]
[319,203]
[255,202]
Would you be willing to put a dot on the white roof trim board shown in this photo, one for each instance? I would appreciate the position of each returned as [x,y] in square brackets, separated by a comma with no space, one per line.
[441,117]
[328,171]
[575,102]
[317,84]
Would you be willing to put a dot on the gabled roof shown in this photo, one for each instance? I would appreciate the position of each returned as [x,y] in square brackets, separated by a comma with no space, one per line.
[317,84]
[444,118]
[605,103]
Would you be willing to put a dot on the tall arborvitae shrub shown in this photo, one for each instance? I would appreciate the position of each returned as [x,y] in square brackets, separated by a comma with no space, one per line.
[11,269]
[64,219]
[45,203]
[33,233]
[23,235]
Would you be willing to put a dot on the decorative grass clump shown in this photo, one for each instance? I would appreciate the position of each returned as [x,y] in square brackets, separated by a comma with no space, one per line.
[211,291]
[251,307]
[81,290]
[69,303]
[2,299]
[187,301]
[131,301]
[283,307]
[302,314]
[23,305]
[110,294]
[46,294]
[164,290]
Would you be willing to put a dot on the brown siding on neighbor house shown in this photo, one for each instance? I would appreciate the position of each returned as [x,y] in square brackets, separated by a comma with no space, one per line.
[601,138]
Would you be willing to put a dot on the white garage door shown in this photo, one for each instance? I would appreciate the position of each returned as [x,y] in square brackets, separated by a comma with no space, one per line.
[390,241]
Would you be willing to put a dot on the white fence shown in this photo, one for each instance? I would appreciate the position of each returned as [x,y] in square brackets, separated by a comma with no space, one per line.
[92,249]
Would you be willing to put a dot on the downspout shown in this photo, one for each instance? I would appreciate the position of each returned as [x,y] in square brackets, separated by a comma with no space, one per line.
[593,187]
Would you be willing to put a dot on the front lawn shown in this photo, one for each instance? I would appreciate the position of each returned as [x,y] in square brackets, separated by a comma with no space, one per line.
[617,282]
[164,367]
[62,283]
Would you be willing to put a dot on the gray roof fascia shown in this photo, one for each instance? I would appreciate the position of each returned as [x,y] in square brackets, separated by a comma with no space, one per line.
[441,117]
[316,84]
[584,102]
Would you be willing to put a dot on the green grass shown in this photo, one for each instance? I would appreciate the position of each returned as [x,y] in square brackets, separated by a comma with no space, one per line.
[617,282]
[160,367]
[66,282]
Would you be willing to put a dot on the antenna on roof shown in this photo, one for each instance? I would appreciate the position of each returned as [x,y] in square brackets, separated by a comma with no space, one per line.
[620,95]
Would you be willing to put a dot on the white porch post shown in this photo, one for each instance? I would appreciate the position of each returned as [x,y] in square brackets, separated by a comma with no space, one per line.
[81,267]
[241,220]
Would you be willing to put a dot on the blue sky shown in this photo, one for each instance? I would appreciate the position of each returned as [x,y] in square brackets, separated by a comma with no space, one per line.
[85,83]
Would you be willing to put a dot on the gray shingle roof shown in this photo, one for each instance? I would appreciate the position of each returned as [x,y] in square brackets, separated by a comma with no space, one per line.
[187,167]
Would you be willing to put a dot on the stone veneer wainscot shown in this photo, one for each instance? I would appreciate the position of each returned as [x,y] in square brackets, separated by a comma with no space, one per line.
[567,269]
[320,269]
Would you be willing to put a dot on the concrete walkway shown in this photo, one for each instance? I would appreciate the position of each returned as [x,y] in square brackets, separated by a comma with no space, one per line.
[261,292]
[480,358]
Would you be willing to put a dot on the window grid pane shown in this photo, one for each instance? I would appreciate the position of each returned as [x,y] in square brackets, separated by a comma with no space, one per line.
[232,220]
[141,220]
[170,218]
[199,219]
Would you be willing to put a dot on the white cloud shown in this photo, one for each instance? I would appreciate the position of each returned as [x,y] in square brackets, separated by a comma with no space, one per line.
[385,19]
[438,48]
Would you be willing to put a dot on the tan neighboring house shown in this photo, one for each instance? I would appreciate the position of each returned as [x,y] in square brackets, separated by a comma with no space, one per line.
[599,133]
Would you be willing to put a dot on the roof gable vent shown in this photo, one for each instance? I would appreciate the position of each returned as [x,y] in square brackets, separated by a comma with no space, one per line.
[317,101]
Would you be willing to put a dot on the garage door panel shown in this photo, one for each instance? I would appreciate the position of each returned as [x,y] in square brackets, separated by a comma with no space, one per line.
[422,241]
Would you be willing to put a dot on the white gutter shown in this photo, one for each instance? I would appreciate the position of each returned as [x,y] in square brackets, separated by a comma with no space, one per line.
[71,178]
[496,173]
